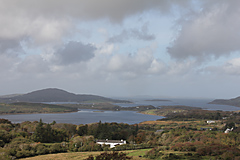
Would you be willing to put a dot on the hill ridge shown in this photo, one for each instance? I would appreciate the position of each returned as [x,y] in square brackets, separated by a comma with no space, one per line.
[231,102]
[58,95]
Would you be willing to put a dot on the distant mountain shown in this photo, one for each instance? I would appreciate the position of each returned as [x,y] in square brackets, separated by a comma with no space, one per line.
[231,102]
[57,95]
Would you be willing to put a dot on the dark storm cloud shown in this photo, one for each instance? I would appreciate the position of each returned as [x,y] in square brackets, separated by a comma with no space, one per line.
[141,34]
[9,46]
[115,10]
[75,52]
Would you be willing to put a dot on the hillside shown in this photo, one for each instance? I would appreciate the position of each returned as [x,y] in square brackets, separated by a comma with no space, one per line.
[24,107]
[231,102]
[57,95]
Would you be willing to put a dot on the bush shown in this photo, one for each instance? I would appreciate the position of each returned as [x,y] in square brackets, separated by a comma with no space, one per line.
[187,146]
[56,148]
[41,149]
[154,153]
[217,149]
[110,155]
[227,156]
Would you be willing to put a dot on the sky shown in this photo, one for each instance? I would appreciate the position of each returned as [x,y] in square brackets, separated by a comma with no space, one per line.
[160,48]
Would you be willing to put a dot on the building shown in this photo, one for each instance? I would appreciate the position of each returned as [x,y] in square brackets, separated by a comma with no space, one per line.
[209,122]
[228,130]
[112,143]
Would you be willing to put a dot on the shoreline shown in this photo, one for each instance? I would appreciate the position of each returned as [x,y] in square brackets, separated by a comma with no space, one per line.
[36,113]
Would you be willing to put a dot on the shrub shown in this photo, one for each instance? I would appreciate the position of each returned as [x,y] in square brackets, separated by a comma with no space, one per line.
[153,153]
[110,155]
[41,149]
[56,148]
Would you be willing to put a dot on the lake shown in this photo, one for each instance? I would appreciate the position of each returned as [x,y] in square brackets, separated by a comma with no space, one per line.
[84,117]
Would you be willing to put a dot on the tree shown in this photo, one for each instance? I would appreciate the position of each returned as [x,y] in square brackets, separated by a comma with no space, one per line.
[83,130]
[38,135]
[43,134]
[48,135]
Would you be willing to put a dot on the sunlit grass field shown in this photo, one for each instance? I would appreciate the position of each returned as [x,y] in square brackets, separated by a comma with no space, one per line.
[83,155]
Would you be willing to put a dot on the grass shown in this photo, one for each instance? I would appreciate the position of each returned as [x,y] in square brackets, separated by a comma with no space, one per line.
[64,156]
[136,153]
[83,155]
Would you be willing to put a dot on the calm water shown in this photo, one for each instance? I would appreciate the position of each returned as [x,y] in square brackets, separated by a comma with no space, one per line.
[202,103]
[84,117]
[130,117]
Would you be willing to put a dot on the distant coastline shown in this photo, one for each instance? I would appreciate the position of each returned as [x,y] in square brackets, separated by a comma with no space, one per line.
[158,100]
[232,102]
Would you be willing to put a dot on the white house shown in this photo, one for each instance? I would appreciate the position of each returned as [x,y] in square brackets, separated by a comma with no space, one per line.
[228,130]
[112,143]
[209,122]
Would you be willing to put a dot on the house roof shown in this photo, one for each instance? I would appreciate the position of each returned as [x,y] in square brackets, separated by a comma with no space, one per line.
[110,141]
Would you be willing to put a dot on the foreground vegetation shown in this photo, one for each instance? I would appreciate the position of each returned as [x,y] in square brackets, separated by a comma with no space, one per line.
[183,134]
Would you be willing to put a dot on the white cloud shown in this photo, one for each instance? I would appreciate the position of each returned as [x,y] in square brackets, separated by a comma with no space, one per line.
[33,64]
[157,67]
[181,68]
[8,63]
[43,41]
[45,31]
[232,66]
[211,33]
[105,49]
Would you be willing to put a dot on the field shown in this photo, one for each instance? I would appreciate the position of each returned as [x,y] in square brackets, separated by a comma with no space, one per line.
[135,154]
[83,155]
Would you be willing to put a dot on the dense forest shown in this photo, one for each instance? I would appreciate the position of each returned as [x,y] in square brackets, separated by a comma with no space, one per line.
[172,138]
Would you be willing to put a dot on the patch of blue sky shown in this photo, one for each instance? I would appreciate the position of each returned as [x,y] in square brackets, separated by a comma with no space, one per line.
[28,50]
[161,26]
[223,59]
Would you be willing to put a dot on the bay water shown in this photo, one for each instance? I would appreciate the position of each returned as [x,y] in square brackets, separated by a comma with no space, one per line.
[131,117]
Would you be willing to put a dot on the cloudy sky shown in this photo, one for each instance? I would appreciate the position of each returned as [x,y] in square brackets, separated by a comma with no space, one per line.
[163,48]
